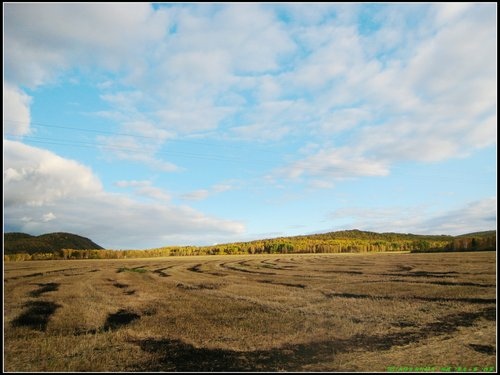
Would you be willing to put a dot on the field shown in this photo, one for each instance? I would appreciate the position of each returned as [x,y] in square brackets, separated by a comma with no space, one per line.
[310,312]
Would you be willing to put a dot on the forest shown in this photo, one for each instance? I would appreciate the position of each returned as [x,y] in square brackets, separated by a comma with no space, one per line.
[351,241]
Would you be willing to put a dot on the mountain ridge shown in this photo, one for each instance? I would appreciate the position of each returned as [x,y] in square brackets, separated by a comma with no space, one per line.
[18,242]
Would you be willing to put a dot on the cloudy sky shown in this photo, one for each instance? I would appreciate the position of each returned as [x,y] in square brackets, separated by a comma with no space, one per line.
[146,125]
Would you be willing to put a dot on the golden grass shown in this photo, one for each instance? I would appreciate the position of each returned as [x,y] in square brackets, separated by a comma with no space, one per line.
[310,312]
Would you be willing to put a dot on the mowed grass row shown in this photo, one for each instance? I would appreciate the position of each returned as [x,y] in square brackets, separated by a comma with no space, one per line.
[308,312]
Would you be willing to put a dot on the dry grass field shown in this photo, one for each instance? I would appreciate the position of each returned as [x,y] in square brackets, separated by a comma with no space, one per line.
[311,312]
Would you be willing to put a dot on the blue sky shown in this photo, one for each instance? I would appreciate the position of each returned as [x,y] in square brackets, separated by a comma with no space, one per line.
[141,125]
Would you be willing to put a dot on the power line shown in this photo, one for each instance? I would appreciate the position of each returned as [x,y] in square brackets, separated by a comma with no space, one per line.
[59,142]
[74,143]
[45,125]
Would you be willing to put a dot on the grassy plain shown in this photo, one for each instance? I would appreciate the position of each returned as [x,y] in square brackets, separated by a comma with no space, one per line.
[308,312]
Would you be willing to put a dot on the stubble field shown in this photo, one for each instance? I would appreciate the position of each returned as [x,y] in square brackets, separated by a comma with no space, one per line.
[310,312]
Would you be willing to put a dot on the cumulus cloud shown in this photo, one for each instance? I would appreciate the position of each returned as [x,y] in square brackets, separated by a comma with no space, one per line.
[16,110]
[437,101]
[201,194]
[48,217]
[36,177]
[146,189]
[260,132]
[196,195]
[46,193]
[43,40]
[336,165]
[125,147]
[447,12]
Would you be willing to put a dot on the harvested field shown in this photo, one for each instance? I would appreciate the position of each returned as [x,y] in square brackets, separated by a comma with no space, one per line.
[310,312]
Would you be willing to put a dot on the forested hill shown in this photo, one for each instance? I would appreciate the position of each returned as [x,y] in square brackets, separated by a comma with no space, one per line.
[348,241]
[45,243]
[356,234]
[487,233]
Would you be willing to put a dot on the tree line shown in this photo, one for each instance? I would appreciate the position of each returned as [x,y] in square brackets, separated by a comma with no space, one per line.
[336,242]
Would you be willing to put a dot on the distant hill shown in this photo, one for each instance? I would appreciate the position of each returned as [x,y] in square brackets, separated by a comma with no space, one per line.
[45,243]
[487,233]
[355,240]
[373,236]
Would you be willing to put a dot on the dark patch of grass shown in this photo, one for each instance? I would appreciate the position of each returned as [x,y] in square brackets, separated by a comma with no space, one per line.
[44,288]
[195,268]
[120,285]
[196,286]
[347,272]
[161,273]
[221,274]
[302,286]
[126,269]
[224,265]
[404,268]
[451,283]
[403,324]
[37,316]
[32,275]
[485,349]
[120,318]
[427,299]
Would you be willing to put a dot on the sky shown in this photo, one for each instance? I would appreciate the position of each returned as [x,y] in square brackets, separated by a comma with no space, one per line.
[145,125]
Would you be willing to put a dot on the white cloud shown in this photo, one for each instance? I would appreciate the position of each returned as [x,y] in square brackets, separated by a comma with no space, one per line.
[191,117]
[43,40]
[146,129]
[132,183]
[16,110]
[471,217]
[434,102]
[321,184]
[202,194]
[260,132]
[48,217]
[125,147]
[334,164]
[37,181]
[124,100]
[196,195]
[248,33]
[146,189]
[220,188]
[447,12]
[344,119]
[154,193]
[36,177]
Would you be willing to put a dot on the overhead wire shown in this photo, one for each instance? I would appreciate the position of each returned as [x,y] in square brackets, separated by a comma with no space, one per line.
[172,140]
[94,144]
[78,143]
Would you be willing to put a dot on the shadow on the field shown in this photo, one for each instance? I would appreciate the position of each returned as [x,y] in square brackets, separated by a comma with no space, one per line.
[120,318]
[175,355]
[37,316]
[44,288]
